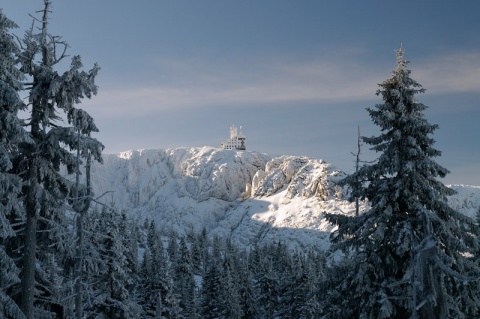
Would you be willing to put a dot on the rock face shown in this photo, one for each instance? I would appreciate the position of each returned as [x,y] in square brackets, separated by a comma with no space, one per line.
[302,176]
[247,196]
[179,188]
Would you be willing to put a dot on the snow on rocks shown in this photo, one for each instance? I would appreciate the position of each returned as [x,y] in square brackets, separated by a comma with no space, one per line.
[248,196]
[467,199]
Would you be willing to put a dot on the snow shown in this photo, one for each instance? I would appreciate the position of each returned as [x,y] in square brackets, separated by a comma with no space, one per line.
[467,199]
[248,196]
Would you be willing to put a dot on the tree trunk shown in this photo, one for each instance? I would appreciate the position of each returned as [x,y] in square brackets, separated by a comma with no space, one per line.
[32,191]
[30,246]
[78,268]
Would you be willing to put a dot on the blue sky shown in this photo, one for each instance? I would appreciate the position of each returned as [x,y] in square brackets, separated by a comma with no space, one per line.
[297,75]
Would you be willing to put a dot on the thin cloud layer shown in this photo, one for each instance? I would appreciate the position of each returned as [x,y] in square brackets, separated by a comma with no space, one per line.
[453,73]
[192,84]
[190,87]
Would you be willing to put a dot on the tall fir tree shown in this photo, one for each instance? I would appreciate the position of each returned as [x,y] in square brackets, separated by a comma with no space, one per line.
[247,291]
[153,265]
[412,253]
[112,297]
[45,189]
[268,289]
[184,280]
[171,301]
[128,232]
[212,293]
[12,135]
[80,202]
[231,306]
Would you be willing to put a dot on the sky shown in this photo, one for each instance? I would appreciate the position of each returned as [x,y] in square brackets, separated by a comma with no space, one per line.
[297,75]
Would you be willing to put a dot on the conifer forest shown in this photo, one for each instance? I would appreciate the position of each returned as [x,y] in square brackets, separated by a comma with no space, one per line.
[66,254]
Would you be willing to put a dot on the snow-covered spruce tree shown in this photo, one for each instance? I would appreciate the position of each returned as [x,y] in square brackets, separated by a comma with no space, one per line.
[129,235]
[203,244]
[171,302]
[11,135]
[211,290]
[229,302]
[93,261]
[151,271]
[50,94]
[184,280]
[246,285]
[413,254]
[111,297]
[268,289]
[80,202]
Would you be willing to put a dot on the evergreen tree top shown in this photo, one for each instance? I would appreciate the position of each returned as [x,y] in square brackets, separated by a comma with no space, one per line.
[401,63]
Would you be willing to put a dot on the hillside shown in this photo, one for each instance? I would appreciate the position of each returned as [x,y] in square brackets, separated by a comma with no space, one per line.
[251,197]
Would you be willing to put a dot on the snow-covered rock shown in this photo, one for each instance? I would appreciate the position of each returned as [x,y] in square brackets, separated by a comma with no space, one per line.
[248,196]
[182,189]
[467,199]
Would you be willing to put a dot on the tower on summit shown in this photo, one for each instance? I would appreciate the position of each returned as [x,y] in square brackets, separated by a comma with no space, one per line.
[236,141]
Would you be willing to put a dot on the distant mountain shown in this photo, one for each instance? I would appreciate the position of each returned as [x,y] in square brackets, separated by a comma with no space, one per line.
[248,196]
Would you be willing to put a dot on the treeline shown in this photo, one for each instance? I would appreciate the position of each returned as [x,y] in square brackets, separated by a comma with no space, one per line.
[134,271]
[264,282]
[137,272]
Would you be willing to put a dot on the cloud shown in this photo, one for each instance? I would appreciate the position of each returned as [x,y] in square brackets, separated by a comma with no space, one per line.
[457,72]
[189,84]
[232,83]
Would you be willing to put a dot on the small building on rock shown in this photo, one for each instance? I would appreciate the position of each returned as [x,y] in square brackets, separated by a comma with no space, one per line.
[236,141]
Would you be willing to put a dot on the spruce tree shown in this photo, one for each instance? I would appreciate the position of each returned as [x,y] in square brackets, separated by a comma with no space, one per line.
[152,270]
[230,289]
[93,260]
[184,280]
[11,135]
[45,189]
[81,201]
[412,252]
[211,293]
[129,234]
[204,244]
[171,302]
[268,294]
[113,278]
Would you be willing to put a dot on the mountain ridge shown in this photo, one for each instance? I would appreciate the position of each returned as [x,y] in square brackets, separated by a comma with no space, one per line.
[247,196]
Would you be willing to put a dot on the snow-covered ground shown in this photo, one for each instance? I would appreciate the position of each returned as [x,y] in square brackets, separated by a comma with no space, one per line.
[250,197]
